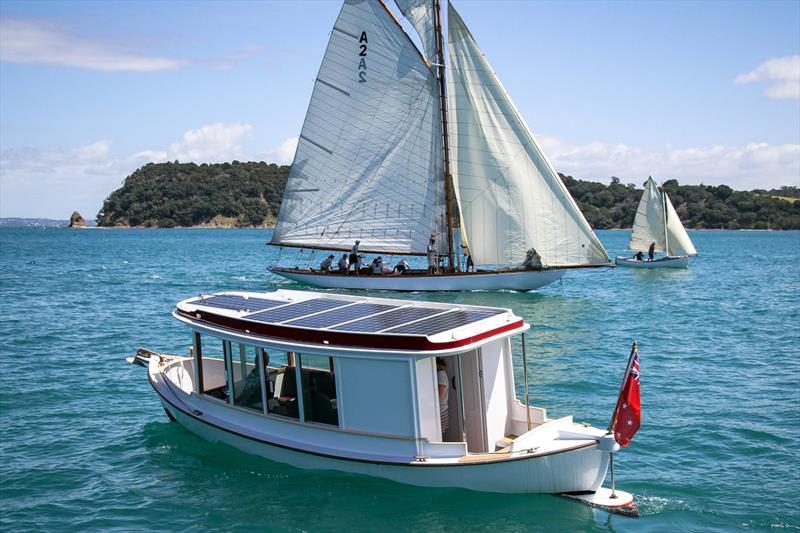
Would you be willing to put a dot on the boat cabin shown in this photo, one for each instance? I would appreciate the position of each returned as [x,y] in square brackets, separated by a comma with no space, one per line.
[362,370]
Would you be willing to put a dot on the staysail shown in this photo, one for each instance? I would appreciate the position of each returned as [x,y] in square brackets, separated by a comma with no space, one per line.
[510,197]
[648,225]
[678,240]
[369,158]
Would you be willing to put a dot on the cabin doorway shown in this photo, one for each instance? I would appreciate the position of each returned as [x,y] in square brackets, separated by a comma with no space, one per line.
[473,408]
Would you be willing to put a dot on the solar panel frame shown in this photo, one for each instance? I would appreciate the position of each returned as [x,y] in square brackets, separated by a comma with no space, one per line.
[340,315]
[441,323]
[297,310]
[235,302]
[395,318]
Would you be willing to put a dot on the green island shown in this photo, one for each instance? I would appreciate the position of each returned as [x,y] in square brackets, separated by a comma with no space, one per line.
[249,194]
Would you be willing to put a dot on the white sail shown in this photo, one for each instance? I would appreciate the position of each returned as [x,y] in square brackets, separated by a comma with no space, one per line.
[510,197]
[369,159]
[648,226]
[678,240]
[420,13]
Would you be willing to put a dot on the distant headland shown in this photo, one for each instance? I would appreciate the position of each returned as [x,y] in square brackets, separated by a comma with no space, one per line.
[249,195]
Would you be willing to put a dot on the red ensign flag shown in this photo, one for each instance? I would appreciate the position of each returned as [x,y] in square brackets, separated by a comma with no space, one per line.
[629,408]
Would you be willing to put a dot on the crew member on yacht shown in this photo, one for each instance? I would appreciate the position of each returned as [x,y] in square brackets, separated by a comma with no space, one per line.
[327,264]
[432,269]
[402,267]
[355,257]
[344,265]
[651,251]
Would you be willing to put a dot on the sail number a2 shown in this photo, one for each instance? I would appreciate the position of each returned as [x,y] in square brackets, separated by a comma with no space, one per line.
[362,54]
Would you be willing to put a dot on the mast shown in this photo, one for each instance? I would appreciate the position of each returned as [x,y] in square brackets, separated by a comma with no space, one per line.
[448,178]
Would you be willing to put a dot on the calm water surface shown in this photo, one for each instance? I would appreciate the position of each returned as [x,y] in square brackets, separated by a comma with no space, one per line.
[84,443]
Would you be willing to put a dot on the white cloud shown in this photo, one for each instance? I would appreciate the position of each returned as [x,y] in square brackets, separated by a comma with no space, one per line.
[755,165]
[34,42]
[283,154]
[241,54]
[53,183]
[211,144]
[781,73]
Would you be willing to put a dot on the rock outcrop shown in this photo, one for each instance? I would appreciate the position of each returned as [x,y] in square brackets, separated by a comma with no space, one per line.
[76,220]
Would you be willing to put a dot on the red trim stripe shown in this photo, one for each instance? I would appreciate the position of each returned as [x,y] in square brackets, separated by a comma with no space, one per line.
[337,338]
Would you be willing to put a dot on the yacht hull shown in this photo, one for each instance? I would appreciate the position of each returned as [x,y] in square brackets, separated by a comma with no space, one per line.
[681,261]
[519,280]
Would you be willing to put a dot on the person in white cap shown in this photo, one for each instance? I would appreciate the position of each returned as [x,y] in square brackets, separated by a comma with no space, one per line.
[355,259]
[432,255]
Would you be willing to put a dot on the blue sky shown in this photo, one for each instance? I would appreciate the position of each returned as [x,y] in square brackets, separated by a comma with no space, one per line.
[698,91]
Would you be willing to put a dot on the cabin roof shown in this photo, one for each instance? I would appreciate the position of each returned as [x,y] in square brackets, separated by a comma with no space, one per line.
[343,320]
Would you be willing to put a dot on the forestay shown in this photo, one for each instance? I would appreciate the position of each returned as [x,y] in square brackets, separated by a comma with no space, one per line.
[648,226]
[369,153]
[510,197]
[678,240]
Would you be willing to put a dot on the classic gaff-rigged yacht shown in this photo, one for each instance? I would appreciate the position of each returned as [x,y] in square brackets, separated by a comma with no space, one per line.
[392,151]
[657,222]
[349,383]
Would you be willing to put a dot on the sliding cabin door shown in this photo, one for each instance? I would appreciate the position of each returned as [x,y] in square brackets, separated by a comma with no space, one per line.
[474,414]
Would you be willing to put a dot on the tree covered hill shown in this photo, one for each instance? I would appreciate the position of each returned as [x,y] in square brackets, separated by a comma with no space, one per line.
[185,194]
[249,194]
[698,206]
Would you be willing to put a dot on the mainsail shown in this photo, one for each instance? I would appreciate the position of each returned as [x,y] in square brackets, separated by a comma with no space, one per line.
[678,240]
[648,225]
[510,197]
[369,159]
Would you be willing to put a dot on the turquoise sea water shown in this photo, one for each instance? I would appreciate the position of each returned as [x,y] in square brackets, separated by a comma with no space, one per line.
[85,444]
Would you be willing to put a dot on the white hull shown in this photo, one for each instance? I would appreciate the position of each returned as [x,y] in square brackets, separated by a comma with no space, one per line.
[576,471]
[681,261]
[581,468]
[520,280]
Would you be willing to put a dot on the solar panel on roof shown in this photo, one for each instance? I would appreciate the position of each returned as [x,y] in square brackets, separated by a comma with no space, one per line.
[337,316]
[395,318]
[297,310]
[444,322]
[238,303]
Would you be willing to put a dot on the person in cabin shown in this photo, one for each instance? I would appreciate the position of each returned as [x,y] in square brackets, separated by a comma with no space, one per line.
[651,251]
[639,256]
[432,268]
[344,264]
[402,267]
[355,258]
[377,265]
[468,264]
[443,387]
[251,390]
[327,264]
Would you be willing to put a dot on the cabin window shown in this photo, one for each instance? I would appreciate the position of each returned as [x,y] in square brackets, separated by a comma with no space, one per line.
[211,353]
[282,385]
[246,370]
[319,389]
